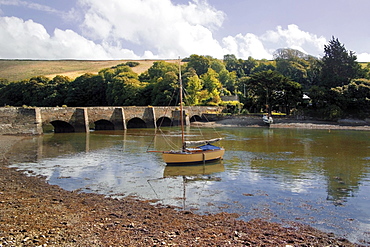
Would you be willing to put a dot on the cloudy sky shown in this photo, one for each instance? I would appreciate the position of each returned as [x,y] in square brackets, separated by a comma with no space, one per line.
[137,29]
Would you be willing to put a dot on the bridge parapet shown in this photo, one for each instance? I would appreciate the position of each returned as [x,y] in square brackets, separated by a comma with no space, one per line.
[18,120]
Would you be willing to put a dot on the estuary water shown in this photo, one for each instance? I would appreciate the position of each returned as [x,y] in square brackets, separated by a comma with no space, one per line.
[316,177]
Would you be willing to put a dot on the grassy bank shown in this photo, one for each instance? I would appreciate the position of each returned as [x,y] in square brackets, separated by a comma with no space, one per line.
[16,70]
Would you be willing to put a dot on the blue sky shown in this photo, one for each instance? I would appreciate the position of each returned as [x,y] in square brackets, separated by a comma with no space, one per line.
[153,29]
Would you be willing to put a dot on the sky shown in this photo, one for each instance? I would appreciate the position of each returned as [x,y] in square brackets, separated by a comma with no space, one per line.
[168,29]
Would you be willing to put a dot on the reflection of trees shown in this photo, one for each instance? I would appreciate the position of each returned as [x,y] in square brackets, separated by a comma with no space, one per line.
[290,155]
[49,146]
[344,174]
[35,148]
[339,190]
[344,164]
[32,149]
[27,150]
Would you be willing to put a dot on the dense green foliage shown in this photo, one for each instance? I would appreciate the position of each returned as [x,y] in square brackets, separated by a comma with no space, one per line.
[337,85]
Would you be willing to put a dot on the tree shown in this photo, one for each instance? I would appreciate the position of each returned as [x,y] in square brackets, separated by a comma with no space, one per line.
[264,65]
[228,81]
[291,95]
[87,90]
[239,66]
[248,65]
[217,65]
[354,98]
[231,62]
[339,66]
[313,72]
[293,64]
[3,82]
[165,90]
[12,94]
[211,89]
[201,64]
[123,86]
[193,88]
[57,90]
[270,89]
[35,90]
[124,91]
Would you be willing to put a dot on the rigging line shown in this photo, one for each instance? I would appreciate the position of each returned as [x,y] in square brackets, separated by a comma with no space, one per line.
[148,181]
[136,165]
[164,137]
[167,139]
[198,128]
[162,120]
[213,127]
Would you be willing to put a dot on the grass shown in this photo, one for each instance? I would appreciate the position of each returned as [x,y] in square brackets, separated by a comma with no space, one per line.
[17,70]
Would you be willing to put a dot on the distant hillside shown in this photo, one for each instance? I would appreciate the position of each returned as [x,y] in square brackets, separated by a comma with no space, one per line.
[16,70]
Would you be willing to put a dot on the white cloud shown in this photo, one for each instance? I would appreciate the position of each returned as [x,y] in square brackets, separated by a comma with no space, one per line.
[159,28]
[294,38]
[243,46]
[27,39]
[166,29]
[363,57]
[263,46]
[31,5]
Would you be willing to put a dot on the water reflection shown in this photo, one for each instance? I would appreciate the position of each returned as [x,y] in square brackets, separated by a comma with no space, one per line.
[194,170]
[316,177]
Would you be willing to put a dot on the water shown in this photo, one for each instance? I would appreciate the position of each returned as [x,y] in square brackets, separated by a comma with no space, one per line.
[316,177]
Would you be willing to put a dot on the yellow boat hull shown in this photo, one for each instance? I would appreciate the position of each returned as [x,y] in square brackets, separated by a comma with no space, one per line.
[186,158]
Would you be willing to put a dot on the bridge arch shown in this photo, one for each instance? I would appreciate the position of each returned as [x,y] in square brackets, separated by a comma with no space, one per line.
[164,122]
[196,118]
[103,124]
[62,127]
[136,123]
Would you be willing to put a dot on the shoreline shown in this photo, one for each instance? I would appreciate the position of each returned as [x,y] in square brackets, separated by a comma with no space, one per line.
[280,123]
[35,213]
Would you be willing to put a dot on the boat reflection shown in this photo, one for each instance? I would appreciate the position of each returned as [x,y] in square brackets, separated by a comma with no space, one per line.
[194,170]
[192,175]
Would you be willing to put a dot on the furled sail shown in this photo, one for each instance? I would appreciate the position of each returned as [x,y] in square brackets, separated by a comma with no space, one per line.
[202,142]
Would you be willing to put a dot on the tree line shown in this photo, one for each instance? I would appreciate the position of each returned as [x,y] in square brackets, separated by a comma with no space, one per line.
[332,87]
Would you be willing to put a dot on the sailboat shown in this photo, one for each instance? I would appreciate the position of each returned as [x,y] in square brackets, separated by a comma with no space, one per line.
[192,152]
[267,119]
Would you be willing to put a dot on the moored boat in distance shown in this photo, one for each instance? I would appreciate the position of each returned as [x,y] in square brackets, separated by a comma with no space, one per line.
[267,119]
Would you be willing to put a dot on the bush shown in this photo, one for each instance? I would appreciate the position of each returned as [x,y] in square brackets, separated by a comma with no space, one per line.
[233,107]
[132,64]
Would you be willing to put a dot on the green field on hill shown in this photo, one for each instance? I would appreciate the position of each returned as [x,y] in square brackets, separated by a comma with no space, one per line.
[16,70]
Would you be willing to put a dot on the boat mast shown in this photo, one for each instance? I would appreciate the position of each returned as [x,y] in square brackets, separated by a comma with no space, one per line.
[181,109]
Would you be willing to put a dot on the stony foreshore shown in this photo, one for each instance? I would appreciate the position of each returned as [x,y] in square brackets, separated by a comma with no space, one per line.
[279,122]
[34,213]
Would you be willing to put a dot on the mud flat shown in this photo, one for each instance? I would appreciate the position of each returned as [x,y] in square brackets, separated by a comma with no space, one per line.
[287,123]
[34,213]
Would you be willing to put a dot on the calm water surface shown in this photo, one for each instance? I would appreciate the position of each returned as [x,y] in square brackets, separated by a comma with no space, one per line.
[316,177]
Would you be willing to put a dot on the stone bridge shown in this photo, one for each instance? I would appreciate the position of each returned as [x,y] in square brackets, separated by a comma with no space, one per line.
[18,120]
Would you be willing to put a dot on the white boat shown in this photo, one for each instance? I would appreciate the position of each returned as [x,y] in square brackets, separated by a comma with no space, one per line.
[267,119]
